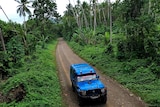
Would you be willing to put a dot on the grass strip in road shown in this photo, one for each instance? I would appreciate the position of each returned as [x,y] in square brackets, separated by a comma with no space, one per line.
[40,81]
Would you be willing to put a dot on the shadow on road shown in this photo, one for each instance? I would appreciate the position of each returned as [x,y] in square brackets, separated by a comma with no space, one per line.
[93,103]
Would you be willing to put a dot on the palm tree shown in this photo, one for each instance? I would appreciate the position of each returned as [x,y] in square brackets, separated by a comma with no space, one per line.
[84,7]
[75,14]
[2,41]
[93,10]
[110,17]
[103,6]
[23,9]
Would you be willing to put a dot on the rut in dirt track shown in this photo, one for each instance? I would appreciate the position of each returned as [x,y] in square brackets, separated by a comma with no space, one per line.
[117,96]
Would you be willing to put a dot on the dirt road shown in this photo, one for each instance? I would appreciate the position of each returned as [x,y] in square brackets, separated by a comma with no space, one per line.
[118,96]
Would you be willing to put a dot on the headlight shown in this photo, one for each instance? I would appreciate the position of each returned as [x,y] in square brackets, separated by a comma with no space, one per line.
[83,93]
[103,90]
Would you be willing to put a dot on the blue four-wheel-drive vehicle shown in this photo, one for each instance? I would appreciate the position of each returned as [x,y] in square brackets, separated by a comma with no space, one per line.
[86,83]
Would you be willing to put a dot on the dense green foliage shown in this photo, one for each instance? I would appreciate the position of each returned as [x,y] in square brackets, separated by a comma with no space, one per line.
[28,75]
[15,50]
[122,39]
[39,78]
[17,47]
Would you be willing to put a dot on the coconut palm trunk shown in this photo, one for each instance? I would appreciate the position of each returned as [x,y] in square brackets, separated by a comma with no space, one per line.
[91,13]
[23,9]
[104,17]
[85,18]
[95,15]
[99,13]
[2,41]
[110,17]
[75,15]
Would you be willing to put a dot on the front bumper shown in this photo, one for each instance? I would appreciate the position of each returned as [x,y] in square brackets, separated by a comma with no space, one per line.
[92,97]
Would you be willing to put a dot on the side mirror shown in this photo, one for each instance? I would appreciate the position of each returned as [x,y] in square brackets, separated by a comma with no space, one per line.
[77,87]
[73,79]
[98,76]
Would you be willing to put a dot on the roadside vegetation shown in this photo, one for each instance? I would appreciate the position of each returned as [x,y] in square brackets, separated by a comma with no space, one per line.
[122,39]
[36,83]
[138,75]
[28,73]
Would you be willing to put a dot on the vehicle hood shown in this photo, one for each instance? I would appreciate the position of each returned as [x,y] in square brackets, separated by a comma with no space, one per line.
[90,85]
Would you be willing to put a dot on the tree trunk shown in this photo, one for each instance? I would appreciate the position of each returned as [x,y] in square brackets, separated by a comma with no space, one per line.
[75,16]
[25,32]
[104,17]
[95,16]
[110,14]
[25,38]
[108,10]
[99,14]
[2,41]
[91,14]
[85,18]
[149,6]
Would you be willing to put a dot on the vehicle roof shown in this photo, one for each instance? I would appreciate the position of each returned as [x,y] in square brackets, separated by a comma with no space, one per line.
[83,68]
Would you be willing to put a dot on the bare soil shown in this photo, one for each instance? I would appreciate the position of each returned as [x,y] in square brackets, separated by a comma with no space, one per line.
[118,96]
[16,94]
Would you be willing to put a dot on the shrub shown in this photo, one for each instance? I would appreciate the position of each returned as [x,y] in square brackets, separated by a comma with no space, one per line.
[139,75]
[40,81]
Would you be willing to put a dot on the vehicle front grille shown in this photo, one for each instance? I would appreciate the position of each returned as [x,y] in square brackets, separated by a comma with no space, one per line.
[93,92]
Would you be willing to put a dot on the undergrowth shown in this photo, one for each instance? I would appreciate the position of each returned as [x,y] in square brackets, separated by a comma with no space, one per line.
[136,74]
[40,80]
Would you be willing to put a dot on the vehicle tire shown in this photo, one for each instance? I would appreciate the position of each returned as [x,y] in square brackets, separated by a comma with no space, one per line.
[81,103]
[104,99]
[73,88]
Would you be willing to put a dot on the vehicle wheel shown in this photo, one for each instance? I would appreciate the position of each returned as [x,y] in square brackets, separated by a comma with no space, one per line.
[104,99]
[73,88]
[81,103]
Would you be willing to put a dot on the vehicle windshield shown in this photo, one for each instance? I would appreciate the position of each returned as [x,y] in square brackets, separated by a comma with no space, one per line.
[86,77]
